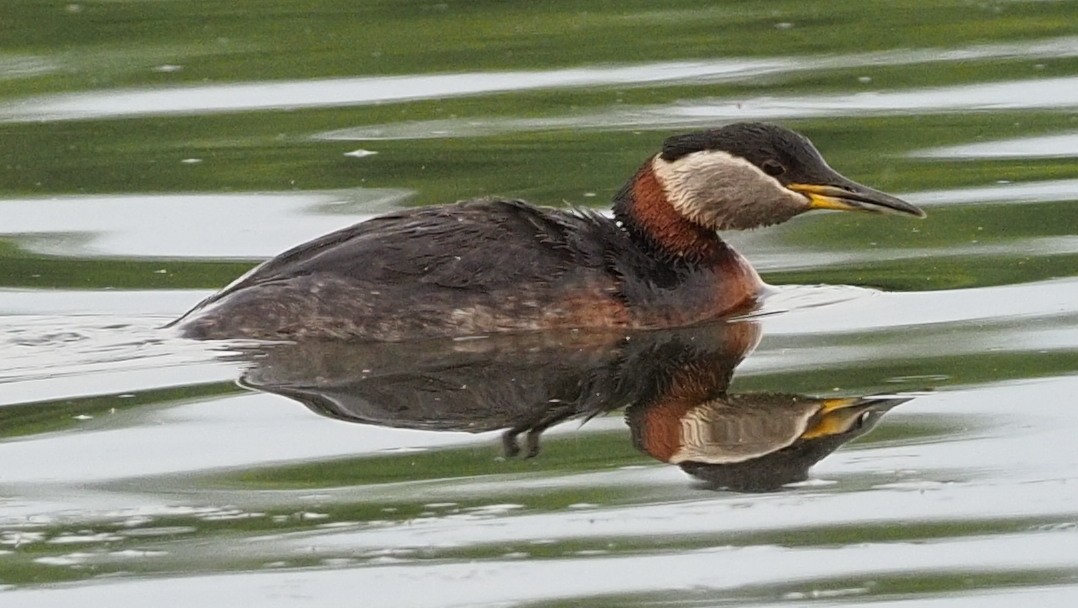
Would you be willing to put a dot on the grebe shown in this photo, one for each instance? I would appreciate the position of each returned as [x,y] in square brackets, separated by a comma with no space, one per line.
[492,265]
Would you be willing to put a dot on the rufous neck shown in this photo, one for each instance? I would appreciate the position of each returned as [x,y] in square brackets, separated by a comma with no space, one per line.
[644,210]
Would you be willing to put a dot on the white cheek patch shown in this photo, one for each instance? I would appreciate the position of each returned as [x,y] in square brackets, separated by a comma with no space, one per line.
[713,188]
[714,433]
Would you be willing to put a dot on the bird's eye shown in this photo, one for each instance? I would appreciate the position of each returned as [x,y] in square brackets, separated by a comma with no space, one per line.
[773,168]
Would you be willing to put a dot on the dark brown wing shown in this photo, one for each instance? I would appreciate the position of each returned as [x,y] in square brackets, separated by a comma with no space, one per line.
[480,245]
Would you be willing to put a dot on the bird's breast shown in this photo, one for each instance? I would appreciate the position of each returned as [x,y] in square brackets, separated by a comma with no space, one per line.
[723,286]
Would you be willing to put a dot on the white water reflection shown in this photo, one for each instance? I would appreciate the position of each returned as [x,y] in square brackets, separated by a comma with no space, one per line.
[507,582]
[223,226]
[260,225]
[47,357]
[24,66]
[221,432]
[241,97]
[370,90]
[1049,146]
[1033,94]
[94,308]
[809,310]
[1023,192]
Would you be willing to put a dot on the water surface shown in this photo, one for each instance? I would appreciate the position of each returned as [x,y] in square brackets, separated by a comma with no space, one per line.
[909,386]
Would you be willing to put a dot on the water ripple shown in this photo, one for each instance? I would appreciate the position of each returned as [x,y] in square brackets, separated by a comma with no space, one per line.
[1031,94]
[1051,146]
[336,92]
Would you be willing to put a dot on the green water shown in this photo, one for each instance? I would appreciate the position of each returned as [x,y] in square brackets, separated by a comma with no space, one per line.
[153,151]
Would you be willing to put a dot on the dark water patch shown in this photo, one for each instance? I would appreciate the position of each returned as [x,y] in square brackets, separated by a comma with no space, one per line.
[947,272]
[598,451]
[339,38]
[49,272]
[29,419]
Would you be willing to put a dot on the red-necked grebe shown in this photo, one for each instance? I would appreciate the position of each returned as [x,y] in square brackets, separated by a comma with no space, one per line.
[493,265]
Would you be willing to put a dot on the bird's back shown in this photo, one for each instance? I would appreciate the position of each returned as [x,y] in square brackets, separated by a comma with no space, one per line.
[471,267]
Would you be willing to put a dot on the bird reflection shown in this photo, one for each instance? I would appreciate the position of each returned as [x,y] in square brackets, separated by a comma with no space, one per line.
[672,385]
